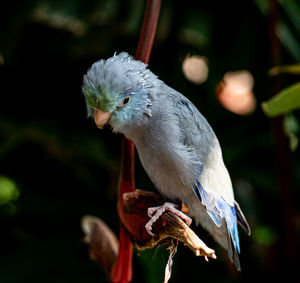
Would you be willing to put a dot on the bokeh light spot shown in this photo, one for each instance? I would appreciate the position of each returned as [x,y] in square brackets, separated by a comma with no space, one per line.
[235,92]
[8,190]
[195,69]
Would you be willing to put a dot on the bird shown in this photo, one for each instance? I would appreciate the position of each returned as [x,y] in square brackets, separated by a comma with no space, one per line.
[176,145]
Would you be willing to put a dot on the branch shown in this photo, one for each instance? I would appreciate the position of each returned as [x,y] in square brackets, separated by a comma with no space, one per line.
[168,226]
[103,244]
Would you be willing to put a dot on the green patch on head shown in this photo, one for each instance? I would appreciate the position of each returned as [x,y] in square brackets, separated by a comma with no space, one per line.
[101,99]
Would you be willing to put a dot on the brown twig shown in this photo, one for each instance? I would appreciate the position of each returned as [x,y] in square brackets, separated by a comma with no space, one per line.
[168,226]
[103,243]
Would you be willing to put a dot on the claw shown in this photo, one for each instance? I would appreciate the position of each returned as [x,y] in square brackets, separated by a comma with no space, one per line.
[148,227]
[155,212]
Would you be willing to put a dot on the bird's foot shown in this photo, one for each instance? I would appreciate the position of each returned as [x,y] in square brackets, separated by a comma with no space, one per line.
[155,212]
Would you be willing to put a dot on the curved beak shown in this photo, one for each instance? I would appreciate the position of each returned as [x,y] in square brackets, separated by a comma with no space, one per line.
[101,118]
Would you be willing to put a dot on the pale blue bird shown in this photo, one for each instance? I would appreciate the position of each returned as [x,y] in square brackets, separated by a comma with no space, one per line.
[177,147]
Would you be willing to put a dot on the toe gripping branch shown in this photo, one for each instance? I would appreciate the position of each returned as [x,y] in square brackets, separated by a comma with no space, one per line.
[134,216]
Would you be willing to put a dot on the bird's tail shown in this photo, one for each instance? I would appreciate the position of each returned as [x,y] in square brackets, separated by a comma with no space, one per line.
[227,236]
[242,219]
[227,233]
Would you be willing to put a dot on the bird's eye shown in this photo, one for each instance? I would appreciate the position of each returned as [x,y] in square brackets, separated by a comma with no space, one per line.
[126,100]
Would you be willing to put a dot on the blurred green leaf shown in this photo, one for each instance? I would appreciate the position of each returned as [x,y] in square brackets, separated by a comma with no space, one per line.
[8,190]
[288,40]
[147,258]
[263,6]
[264,235]
[284,102]
[291,128]
[292,9]
[289,69]
[291,124]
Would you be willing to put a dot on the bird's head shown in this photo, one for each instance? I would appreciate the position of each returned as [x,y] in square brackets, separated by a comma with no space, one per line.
[118,92]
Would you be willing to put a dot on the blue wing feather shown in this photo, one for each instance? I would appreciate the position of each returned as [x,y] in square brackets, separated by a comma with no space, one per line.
[220,210]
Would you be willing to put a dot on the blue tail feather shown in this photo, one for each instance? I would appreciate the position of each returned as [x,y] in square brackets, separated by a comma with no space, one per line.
[233,229]
[220,210]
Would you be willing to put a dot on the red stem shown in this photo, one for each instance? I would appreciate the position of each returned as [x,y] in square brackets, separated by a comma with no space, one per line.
[122,271]
[148,31]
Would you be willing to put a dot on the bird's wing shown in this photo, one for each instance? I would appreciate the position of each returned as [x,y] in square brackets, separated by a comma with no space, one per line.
[213,186]
[198,136]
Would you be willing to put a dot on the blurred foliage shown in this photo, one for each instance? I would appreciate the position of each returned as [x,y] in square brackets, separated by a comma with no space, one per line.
[291,129]
[283,102]
[8,190]
[56,166]
[288,69]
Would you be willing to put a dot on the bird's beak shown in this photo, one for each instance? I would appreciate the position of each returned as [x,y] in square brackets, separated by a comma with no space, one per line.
[101,118]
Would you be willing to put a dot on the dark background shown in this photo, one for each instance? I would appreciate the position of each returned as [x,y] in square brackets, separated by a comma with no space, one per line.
[60,167]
